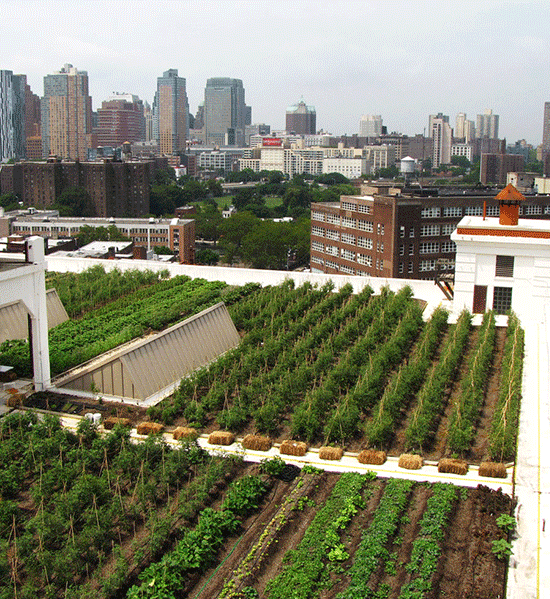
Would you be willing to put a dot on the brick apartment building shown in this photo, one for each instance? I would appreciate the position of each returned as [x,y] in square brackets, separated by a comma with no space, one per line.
[397,233]
[117,188]
[176,233]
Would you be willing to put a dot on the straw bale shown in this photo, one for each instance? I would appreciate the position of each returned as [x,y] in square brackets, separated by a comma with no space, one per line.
[15,400]
[289,447]
[410,461]
[257,443]
[452,466]
[185,432]
[372,456]
[221,438]
[149,428]
[492,469]
[112,421]
[331,453]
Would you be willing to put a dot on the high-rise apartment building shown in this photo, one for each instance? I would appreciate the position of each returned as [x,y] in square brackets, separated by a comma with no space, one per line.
[442,136]
[66,114]
[121,119]
[546,128]
[225,112]
[464,129]
[12,115]
[170,110]
[301,119]
[33,139]
[370,125]
[487,125]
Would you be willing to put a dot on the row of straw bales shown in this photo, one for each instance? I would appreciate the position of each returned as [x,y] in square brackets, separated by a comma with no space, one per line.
[299,449]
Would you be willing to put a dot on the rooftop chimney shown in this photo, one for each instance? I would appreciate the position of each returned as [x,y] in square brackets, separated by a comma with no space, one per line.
[509,200]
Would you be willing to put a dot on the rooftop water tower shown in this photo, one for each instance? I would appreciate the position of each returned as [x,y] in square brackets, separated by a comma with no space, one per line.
[408,168]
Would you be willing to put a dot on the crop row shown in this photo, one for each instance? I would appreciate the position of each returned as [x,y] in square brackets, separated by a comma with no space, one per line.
[372,549]
[84,496]
[304,570]
[155,307]
[427,546]
[505,419]
[197,549]
[405,383]
[430,400]
[82,292]
[466,409]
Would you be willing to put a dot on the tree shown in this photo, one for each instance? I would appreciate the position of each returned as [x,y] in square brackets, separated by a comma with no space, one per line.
[460,161]
[164,176]
[207,256]
[234,229]
[164,199]
[208,220]
[75,201]
[9,201]
[215,188]
[332,179]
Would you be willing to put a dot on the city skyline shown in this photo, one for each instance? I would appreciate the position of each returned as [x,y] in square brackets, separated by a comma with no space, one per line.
[345,58]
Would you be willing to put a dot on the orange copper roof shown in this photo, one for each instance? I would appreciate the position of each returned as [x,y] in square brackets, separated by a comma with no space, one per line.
[510,193]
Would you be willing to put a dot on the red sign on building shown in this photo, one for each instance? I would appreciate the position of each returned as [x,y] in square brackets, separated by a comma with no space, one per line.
[272,141]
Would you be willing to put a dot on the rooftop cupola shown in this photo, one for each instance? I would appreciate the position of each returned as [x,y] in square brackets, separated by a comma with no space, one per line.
[509,200]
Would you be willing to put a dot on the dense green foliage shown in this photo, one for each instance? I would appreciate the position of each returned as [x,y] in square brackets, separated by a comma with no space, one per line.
[76,341]
[87,493]
[505,420]
[82,292]
[466,410]
[304,570]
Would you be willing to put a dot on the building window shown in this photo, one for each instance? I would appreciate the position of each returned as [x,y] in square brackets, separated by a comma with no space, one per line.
[348,222]
[317,260]
[319,231]
[365,225]
[347,255]
[502,300]
[429,247]
[347,269]
[448,247]
[473,211]
[331,250]
[317,246]
[452,211]
[401,232]
[504,266]
[318,216]
[447,229]
[401,250]
[334,235]
[429,230]
[349,206]
[493,211]
[431,212]
[401,268]
[426,265]
[333,219]
[411,250]
[364,242]
[531,210]
[363,208]
[410,269]
[331,264]
[348,238]
[411,232]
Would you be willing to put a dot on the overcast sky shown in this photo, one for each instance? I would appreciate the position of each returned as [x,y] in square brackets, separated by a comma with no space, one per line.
[402,60]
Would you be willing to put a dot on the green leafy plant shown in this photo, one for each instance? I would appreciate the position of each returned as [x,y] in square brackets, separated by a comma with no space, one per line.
[502,549]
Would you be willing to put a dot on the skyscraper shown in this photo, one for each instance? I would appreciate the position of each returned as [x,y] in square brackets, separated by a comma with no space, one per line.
[121,119]
[301,119]
[487,125]
[225,112]
[442,135]
[546,127]
[370,125]
[170,110]
[66,114]
[12,115]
